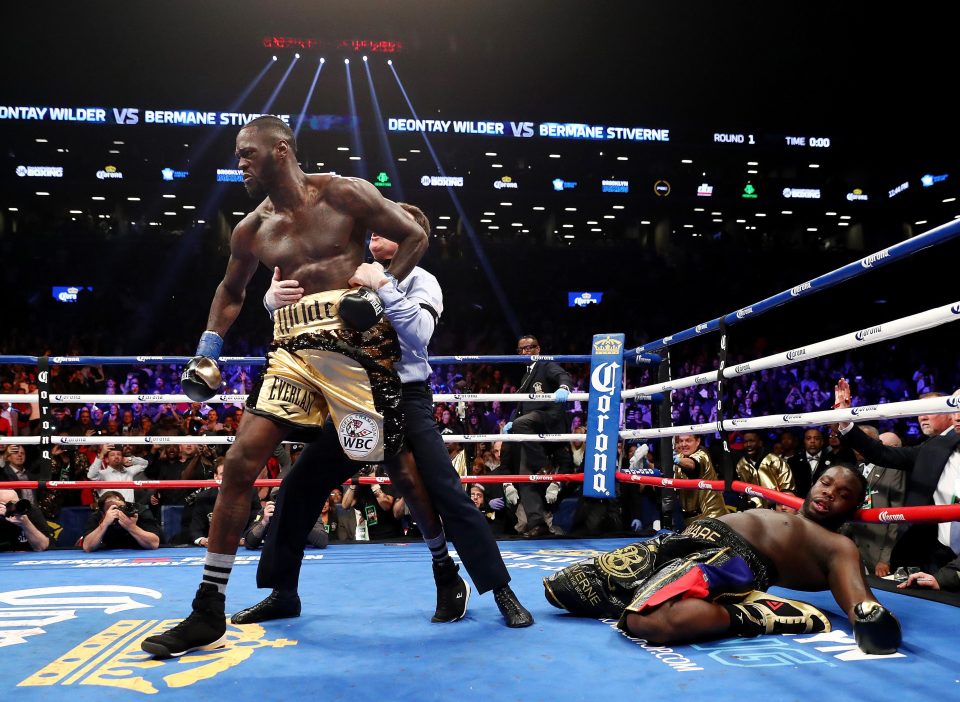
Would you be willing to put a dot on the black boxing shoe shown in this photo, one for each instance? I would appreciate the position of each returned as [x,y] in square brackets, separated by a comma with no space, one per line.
[204,630]
[277,605]
[515,614]
[453,592]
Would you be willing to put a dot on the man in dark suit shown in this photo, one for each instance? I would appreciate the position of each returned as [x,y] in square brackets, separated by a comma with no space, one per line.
[538,417]
[932,469]
[811,462]
[885,488]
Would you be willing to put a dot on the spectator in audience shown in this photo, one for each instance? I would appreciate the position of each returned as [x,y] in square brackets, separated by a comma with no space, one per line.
[111,465]
[810,463]
[119,524]
[330,520]
[692,462]
[256,532]
[22,528]
[14,468]
[538,417]
[933,476]
[788,444]
[769,471]
[885,488]
[84,425]
[198,510]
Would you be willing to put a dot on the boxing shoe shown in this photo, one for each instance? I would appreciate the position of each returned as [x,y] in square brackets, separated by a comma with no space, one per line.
[204,630]
[763,613]
[453,592]
[515,614]
[276,605]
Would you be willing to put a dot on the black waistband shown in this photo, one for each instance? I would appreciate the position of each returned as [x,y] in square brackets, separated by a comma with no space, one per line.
[416,385]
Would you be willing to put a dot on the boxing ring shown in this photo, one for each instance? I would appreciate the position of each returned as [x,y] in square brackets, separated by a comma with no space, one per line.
[74,620]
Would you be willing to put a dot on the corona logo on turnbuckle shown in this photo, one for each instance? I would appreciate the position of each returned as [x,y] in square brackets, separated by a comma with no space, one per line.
[606,380]
[953,402]
[607,346]
[861,410]
[701,328]
[956,308]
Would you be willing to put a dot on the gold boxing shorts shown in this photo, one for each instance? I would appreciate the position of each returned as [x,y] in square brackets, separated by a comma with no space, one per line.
[317,367]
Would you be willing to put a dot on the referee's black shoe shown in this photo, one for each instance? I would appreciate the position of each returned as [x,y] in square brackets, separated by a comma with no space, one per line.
[278,604]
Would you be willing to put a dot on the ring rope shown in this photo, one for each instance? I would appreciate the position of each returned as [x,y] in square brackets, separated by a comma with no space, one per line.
[64,398]
[646,359]
[876,515]
[890,410]
[862,337]
[897,252]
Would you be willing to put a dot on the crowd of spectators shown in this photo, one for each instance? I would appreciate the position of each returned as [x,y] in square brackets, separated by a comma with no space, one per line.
[804,387]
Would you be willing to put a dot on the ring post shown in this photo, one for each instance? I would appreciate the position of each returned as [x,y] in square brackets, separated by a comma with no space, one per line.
[603,414]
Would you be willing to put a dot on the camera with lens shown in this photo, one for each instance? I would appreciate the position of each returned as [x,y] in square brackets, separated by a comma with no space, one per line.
[129,509]
[20,508]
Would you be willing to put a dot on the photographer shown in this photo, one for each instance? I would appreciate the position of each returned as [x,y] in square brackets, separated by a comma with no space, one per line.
[118,524]
[375,504]
[183,462]
[22,526]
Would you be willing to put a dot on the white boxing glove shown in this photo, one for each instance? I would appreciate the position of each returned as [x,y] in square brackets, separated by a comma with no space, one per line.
[639,455]
[553,490]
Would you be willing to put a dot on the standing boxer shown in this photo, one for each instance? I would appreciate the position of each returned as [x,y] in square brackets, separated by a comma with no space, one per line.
[332,354]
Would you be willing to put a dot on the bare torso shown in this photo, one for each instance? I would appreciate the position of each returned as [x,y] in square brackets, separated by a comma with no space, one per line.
[316,245]
[800,549]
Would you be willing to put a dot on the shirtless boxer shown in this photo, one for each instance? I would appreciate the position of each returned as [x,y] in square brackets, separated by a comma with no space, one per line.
[332,353]
[708,581]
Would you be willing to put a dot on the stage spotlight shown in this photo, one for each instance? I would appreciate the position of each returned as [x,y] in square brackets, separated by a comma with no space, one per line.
[346,60]
[274,58]
[296,56]
[389,62]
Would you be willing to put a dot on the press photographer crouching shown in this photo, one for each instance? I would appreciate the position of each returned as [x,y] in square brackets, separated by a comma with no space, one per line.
[119,524]
[22,525]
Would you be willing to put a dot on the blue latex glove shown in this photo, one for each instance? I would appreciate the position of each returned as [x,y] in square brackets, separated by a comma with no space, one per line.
[561,395]
[636,525]
[497,503]
[506,427]
[676,458]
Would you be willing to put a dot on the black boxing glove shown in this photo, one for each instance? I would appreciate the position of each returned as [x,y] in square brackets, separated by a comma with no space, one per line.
[201,379]
[360,309]
[875,628]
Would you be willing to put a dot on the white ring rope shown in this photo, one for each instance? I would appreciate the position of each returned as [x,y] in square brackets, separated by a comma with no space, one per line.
[177,439]
[64,398]
[891,410]
[862,337]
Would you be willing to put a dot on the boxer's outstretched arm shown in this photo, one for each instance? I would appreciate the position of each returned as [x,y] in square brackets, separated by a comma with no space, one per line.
[362,201]
[233,288]
[845,575]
